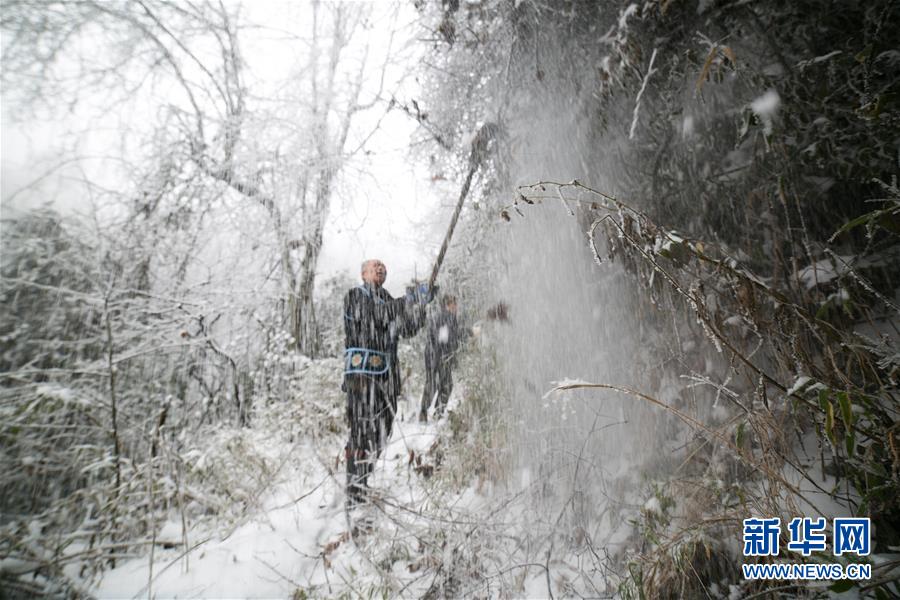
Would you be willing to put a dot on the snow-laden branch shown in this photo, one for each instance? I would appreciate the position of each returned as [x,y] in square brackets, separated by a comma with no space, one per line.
[640,95]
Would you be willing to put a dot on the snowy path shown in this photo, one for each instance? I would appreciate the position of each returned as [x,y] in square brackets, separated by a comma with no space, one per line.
[299,538]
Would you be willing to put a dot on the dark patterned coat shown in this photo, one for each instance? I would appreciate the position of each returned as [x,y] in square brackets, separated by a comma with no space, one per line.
[375,320]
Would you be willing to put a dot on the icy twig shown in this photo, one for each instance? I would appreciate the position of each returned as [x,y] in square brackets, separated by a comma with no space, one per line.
[640,95]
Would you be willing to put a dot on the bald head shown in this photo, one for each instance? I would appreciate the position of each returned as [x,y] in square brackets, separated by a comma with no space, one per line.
[374,272]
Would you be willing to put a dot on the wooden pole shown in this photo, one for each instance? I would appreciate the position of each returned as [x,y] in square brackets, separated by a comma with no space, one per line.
[473,166]
[479,149]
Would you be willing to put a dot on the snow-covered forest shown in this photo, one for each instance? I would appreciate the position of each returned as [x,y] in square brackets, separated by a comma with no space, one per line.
[676,264]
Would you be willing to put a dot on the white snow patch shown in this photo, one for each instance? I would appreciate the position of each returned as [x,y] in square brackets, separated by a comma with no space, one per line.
[799,384]
[652,505]
[806,63]
[170,533]
[687,127]
[766,108]
[822,271]
[55,392]
[626,14]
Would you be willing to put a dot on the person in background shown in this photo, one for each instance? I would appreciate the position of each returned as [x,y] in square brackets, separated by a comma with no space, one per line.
[441,346]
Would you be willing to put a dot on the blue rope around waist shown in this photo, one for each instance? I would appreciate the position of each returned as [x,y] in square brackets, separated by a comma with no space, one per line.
[366,362]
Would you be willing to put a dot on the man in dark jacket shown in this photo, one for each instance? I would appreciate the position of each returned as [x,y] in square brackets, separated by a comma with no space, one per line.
[374,321]
[441,345]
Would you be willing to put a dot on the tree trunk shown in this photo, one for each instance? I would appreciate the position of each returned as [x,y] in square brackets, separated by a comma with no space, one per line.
[307,332]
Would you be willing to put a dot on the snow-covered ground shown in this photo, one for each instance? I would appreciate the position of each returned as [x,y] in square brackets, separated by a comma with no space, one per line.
[299,538]
[449,516]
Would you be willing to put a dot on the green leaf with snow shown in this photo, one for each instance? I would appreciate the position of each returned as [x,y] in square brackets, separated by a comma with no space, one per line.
[828,409]
[847,417]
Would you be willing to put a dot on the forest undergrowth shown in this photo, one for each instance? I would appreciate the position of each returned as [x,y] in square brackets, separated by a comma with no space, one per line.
[739,161]
[728,172]
[804,366]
